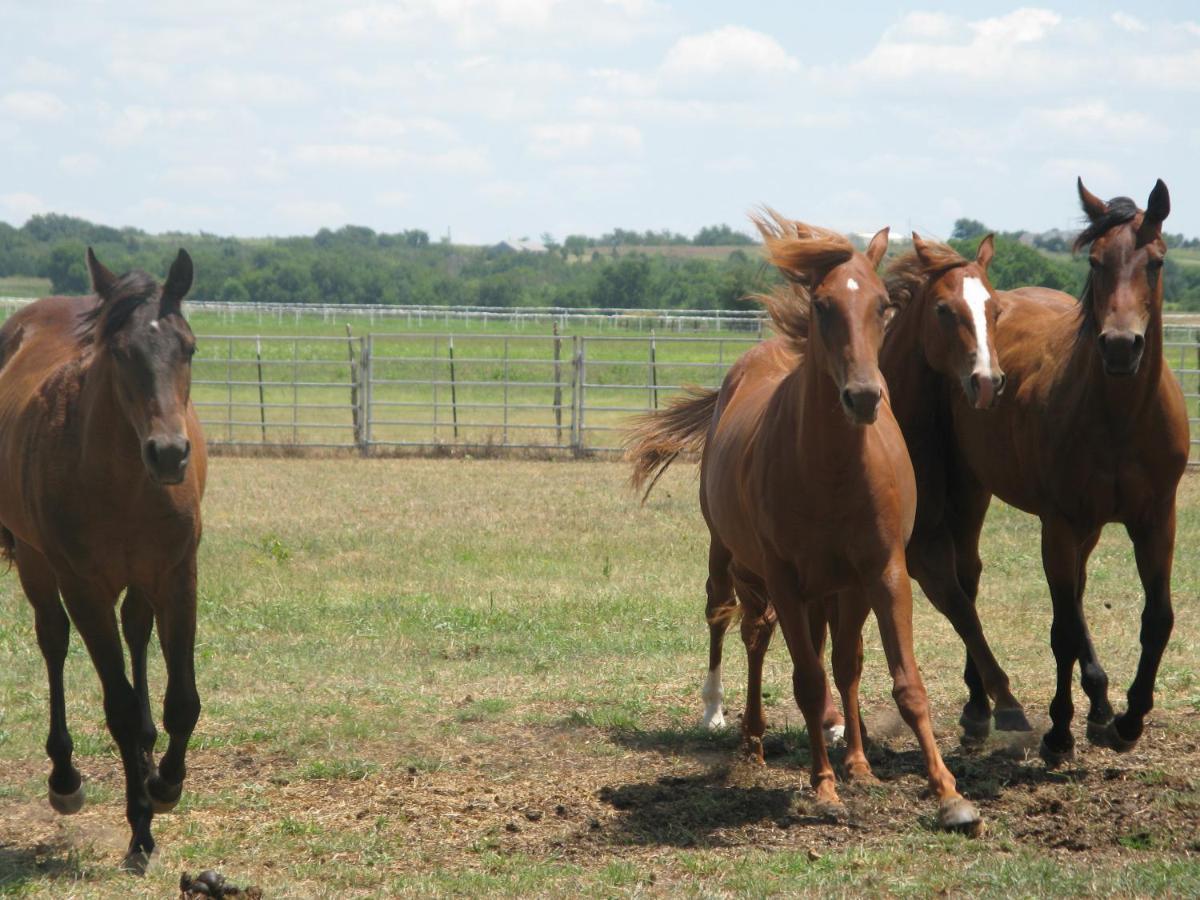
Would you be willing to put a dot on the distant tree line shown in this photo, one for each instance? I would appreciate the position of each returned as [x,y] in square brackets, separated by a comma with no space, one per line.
[354,264]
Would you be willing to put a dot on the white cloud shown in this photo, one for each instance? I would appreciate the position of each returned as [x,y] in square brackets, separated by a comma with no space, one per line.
[40,71]
[79,163]
[729,49]
[1090,170]
[35,105]
[571,139]
[200,176]
[18,207]
[1002,47]
[134,123]
[1129,23]
[309,215]
[458,160]
[1094,119]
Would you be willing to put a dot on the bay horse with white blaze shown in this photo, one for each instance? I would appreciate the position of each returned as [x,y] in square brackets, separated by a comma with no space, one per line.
[1093,429]
[808,493]
[102,467]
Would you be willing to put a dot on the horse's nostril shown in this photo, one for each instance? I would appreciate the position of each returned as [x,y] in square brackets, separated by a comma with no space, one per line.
[152,450]
[847,398]
[1001,380]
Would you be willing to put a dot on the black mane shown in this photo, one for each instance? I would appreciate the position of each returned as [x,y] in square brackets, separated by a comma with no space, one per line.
[1119,211]
[111,314]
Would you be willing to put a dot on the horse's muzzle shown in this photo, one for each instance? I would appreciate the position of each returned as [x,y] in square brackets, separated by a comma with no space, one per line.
[1121,352]
[861,402]
[166,458]
[984,390]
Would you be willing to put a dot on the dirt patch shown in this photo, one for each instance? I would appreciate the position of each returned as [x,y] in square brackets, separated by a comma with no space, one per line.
[591,796]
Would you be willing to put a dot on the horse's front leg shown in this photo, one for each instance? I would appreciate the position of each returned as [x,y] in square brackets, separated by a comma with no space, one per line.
[175,610]
[137,621]
[891,599]
[1064,556]
[1154,550]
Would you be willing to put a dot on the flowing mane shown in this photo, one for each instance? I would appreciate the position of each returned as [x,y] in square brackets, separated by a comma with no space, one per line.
[803,254]
[109,316]
[910,272]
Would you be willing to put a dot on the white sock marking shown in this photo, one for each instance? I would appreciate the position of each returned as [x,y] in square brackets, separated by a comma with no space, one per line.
[833,734]
[976,296]
[713,693]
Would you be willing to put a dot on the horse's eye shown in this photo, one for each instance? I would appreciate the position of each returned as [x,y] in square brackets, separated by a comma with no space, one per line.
[944,311]
[1154,265]
[1094,263]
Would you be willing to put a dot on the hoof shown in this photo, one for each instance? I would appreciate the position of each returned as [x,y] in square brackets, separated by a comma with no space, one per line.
[861,777]
[960,816]
[975,729]
[1012,720]
[1055,758]
[831,811]
[752,749]
[714,721]
[1108,736]
[1097,732]
[67,804]
[834,735]
[136,862]
[163,796]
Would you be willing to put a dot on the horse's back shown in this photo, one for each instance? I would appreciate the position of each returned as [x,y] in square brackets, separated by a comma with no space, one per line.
[40,337]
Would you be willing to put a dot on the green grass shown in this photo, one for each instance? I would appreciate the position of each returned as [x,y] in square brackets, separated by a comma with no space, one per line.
[424,677]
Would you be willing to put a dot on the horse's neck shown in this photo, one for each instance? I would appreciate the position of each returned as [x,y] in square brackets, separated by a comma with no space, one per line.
[826,441]
[912,382]
[107,439]
[1120,402]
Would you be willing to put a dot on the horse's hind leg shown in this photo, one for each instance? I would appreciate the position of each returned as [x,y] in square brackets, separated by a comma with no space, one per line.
[720,609]
[175,610]
[137,620]
[758,624]
[931,559]
[53,635]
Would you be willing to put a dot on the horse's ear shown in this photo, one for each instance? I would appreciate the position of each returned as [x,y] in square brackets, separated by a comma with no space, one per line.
[102,279]
[179,280]
[878,246]
[1093,206]
[987,249]
[921,248]
[1158,207]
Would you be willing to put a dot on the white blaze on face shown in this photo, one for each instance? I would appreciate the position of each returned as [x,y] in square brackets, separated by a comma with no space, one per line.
[976,296]
[852,284]
[713,693]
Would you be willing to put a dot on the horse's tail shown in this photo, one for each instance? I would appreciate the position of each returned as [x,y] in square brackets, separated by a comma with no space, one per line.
[656,438]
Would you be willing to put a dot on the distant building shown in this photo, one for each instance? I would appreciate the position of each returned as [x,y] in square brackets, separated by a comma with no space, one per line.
[521,246]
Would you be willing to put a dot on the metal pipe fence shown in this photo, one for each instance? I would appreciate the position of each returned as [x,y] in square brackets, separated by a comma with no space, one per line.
[565,393]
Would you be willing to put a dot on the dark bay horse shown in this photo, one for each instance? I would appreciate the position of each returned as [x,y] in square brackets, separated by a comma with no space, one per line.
[102,467]
[1093,429]
[809,496]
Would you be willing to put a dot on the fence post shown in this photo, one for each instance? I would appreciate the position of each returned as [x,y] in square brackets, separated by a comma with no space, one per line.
[262,402]
[229,389]
[453,390]
[366,370]
[557,386]
[653,372]
[505,434]
[355,419]
[579,376]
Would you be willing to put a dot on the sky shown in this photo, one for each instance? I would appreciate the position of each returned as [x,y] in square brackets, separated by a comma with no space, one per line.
[515,118]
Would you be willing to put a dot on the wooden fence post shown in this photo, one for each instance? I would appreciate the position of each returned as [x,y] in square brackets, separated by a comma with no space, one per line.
[355,419]
[453,390]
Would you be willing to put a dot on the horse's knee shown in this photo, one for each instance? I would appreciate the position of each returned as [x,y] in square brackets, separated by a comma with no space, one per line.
[911,700]
[181,712]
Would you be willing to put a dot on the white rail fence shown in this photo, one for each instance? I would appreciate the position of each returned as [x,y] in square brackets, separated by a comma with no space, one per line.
[569,394]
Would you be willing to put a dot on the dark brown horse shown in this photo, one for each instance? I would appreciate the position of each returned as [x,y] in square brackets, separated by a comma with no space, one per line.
[808,493]
[1093,429]
[102,466]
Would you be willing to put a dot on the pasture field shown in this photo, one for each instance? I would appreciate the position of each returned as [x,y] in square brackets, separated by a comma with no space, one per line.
[457,677]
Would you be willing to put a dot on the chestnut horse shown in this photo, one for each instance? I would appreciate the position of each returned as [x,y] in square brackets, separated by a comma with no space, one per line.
[940,351]
[1092,430]
[808,493]
[102,466]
